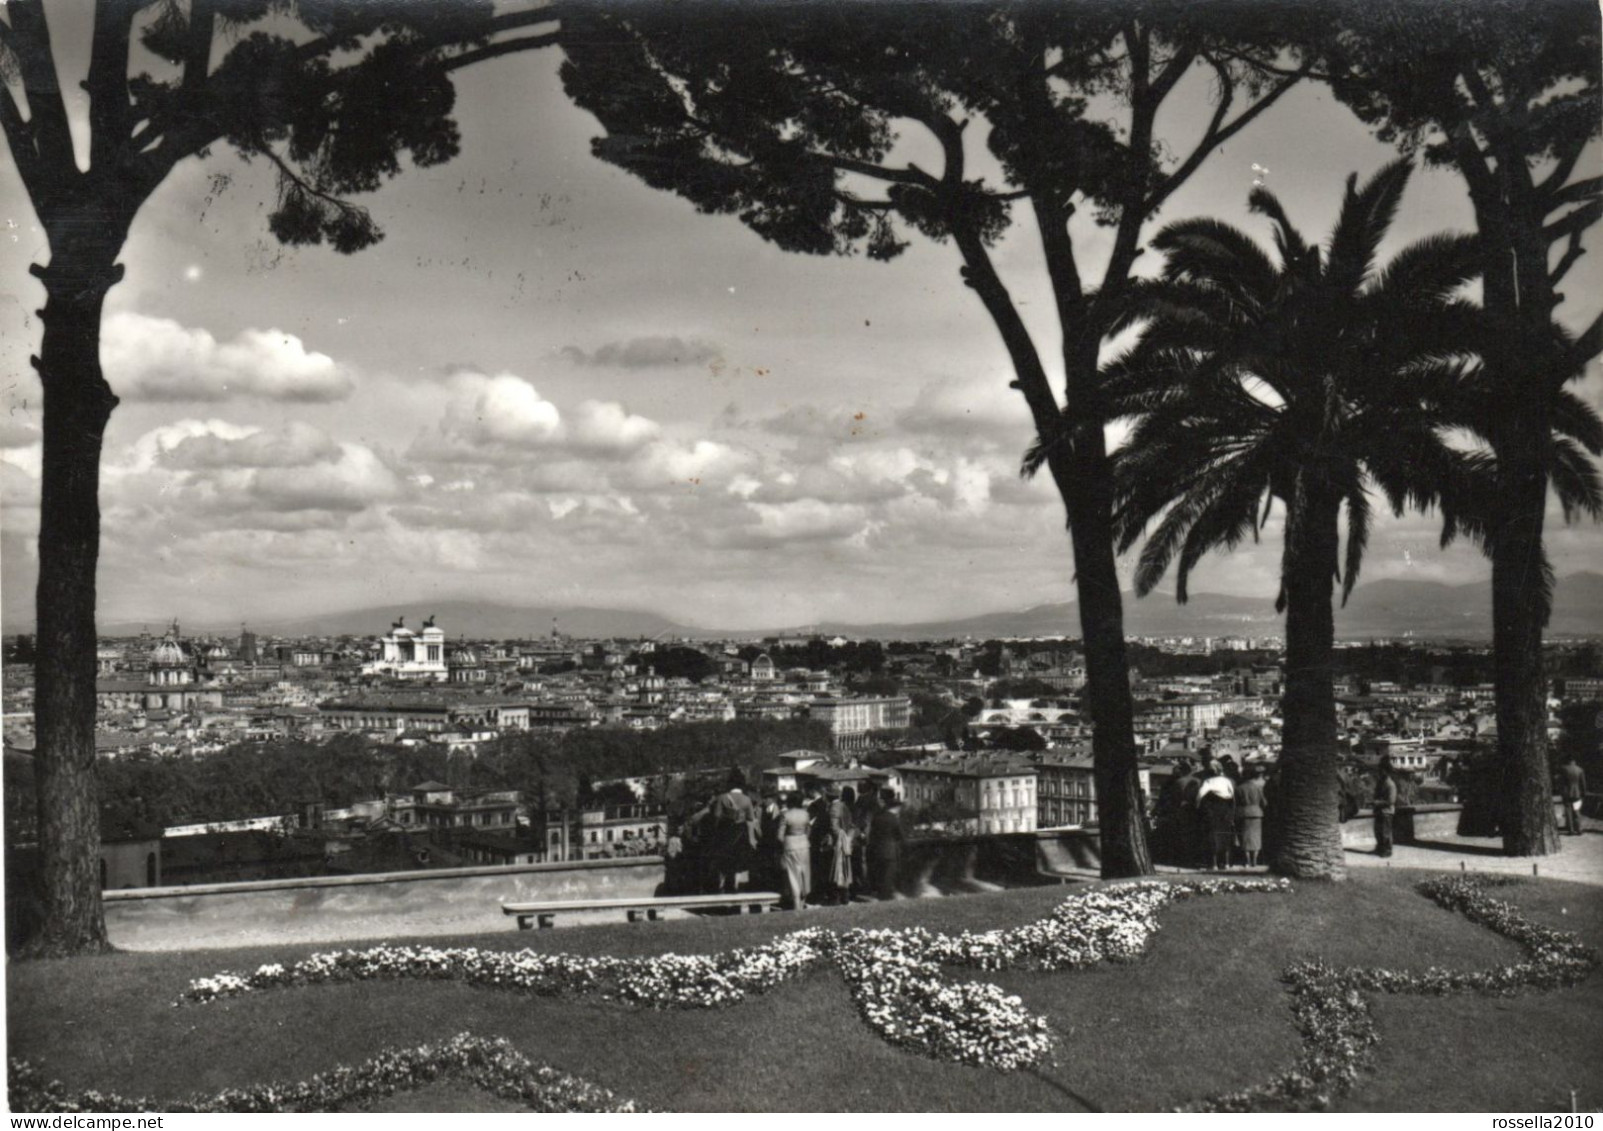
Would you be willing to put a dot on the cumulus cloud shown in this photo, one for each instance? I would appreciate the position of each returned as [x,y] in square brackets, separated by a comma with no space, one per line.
[157,359]
[503,419]
[215,473]
[294,445]
[352,480]
[503,409]
[650,352]
[608,427]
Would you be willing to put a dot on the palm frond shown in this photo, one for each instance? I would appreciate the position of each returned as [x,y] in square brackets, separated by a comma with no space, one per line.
[1293,248]
[1429,270]
[1204,250]
[1575,480]
[1573,417]
[1366,214]
[1358,518]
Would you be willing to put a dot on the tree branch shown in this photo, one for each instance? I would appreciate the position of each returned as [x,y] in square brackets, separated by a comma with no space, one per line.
[1574,194]
[107,85]
[979,273]
[19,138]
[30,43]
[198,50]
[1173,71]
[1217,134]
[504,47]
[513,21]
[1587,345]
[1574,222]
[1571,254]
[304,185]
[911,175]
[1553,184]
[1305,71]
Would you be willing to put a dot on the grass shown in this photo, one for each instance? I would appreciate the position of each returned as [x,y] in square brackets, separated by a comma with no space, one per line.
[1203,1011]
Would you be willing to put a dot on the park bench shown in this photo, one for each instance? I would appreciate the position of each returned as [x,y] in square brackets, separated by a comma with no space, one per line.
[648,907]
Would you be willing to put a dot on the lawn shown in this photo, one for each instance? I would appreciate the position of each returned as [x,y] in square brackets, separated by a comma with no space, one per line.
[1202,1011]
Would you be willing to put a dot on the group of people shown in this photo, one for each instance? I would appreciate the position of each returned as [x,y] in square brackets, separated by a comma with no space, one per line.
[1209,810]
[817,845]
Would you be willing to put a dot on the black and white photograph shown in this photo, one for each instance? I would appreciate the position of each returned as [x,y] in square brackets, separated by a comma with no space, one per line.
[792,556]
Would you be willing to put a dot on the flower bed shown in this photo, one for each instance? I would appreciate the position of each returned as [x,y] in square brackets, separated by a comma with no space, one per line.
[495,1066]
[894,976]
[1333,1015]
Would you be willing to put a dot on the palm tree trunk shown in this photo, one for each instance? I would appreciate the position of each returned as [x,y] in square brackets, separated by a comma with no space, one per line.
[1306,813]
[77,405]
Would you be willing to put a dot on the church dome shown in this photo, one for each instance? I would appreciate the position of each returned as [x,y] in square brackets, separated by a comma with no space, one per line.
[167,654]
[217,652]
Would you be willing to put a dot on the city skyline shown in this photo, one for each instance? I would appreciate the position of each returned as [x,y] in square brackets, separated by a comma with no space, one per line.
[552,384]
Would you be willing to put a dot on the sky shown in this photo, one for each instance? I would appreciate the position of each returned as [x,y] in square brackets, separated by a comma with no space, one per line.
[551,384]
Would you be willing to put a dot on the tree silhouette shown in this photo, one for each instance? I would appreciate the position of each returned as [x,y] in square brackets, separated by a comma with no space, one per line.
[794,119]
[1313,381]
[1507,92]
[330,94]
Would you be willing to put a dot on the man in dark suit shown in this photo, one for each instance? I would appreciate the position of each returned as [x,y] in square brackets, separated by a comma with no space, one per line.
[885,839]
[734,817]
[1572,787]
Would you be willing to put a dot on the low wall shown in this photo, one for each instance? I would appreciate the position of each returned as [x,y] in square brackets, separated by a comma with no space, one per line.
[328,909]
[1415,823]
[954,865]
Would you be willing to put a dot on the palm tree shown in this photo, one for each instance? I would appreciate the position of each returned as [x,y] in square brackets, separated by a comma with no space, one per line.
[1312,379]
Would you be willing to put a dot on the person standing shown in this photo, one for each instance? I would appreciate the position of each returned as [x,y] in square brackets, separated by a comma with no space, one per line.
[868,804]
[1171,819]
[1385,806]
[768,870]
[839,846]
[1250,805]
[1194,829]
[818,815]
[734,818]
[795,852]
[885,839]
[1572,788]
[1216,799]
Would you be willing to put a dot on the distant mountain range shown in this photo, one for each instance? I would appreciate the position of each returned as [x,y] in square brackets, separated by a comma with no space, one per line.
[474,620]
[1382,608]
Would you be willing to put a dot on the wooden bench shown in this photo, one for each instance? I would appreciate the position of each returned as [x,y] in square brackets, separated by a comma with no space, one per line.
[646,907]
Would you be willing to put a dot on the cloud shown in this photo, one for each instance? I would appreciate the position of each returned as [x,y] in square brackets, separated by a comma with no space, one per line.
[353,480]
[651,352]
[606,426]
[953,410]
[17,487]
[503,419]
[503,409]
[18,434]
[196,474]
[294,445]
[157,359]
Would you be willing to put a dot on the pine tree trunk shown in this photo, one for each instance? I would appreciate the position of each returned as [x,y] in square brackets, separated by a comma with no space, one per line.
[1121,815]
[1520,606]
[1519,299]
[77,405]
[1308,796]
